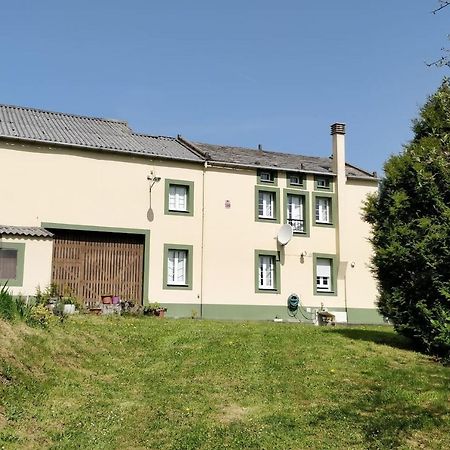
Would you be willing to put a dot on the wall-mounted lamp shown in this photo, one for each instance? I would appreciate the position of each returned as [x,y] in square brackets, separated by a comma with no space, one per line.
[153,180]
[302,257]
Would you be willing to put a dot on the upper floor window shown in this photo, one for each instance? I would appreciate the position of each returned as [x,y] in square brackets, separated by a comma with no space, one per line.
[266,205]
[323,183]
[295,212]
[179,197]
[267,176]
[295,179]
[323,210]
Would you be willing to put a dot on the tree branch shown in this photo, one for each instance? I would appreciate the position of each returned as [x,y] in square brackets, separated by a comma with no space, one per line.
[443,4]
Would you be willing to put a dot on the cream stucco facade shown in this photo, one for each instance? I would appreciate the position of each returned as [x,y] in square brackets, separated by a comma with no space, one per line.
[73,188]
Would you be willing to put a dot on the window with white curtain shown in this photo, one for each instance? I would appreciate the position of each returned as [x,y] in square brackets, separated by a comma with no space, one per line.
[178,198]
[266,272]
[266,205]
[323,275]
[295,212]
[176,267]
[323,210]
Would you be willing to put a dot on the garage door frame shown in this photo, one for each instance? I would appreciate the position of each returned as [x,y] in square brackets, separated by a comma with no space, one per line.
[138,231]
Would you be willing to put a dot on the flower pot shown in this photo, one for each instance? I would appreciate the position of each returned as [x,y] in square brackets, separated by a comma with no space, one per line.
[69,309]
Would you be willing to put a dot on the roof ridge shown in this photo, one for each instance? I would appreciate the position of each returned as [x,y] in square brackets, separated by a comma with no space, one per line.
[133,133]
[30,108]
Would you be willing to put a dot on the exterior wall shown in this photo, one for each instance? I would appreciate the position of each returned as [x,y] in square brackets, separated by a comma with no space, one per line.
[36,264]
[86,189]
[361,289]
[92,189]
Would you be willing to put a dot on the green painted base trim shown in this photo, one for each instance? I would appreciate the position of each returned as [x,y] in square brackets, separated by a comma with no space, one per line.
[263,312]
[365,316]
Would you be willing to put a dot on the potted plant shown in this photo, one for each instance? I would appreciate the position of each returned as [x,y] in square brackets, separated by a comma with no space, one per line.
[155,309]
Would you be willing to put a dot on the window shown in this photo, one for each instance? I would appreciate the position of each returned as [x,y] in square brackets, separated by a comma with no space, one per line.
[267,204]
[179,197]
[296,180]
[267,271]
[8,264]
[295,213]
[12,263]
[177,266]
[323,210]
[325,274]
[267,176]
[323,183]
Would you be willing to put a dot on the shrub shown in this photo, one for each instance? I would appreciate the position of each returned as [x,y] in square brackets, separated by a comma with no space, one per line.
[411,231]
[8,307]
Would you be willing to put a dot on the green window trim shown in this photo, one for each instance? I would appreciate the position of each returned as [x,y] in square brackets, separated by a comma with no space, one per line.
[306,210]
[20,247]
[333,207]
[330,187]
[189,269]
[273,182]
[190,197]
[302,184]
[140,231]
[334,273]
[259,189]
[277,273]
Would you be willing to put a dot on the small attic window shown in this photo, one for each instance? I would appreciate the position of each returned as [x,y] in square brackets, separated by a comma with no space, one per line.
[295,179]
[267,176]
[322,183]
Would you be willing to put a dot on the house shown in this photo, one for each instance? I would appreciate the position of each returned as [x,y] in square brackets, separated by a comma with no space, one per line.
[96,208]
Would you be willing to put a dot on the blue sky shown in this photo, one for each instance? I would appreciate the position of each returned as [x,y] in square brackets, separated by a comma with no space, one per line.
[275,73]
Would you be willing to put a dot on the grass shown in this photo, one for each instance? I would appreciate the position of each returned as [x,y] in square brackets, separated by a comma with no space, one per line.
[145,383]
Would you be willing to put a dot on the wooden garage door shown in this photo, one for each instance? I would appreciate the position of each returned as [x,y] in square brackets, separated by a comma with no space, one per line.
[92,264]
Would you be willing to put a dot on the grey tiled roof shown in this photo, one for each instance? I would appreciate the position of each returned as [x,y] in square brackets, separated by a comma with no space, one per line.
[30,124]
[24,231]
[249,157]
[90,132]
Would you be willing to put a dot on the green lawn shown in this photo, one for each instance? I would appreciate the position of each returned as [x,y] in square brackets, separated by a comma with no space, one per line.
[137,383]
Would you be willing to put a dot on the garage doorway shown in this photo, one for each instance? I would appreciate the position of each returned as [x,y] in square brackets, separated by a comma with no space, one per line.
[94,263]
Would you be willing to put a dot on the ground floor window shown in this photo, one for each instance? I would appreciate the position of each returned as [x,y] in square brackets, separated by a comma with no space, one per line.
[11,263]
[325,274]
[267,271]
[177,266]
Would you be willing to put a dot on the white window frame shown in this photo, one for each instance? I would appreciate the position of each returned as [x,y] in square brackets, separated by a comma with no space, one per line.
[178,197]
[266,272]
[177,261]
[323,183]
[266,204]
[323,210]
[296,215]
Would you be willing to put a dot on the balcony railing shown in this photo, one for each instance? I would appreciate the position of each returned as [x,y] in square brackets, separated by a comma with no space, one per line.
[298,225]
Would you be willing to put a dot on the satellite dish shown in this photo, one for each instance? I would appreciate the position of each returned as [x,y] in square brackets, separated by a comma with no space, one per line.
[285,234]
